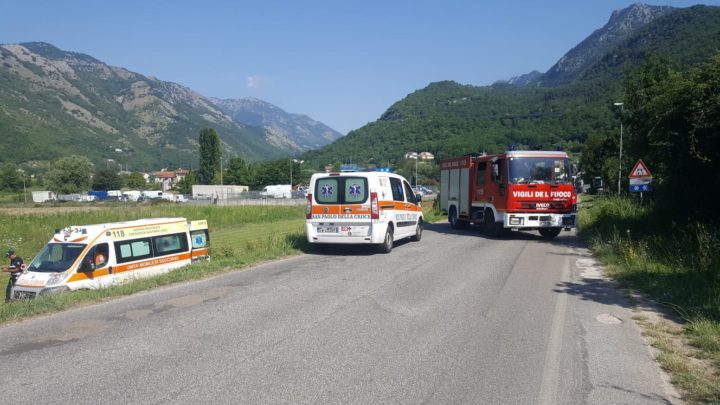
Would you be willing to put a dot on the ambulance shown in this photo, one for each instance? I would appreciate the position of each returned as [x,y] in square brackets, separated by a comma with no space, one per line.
[98,256]
[362,208]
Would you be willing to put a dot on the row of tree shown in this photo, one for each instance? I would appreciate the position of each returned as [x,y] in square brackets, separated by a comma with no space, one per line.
[672,117]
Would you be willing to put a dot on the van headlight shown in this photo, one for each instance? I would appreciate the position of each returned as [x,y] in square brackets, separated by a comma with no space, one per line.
[55,278]
[54,290]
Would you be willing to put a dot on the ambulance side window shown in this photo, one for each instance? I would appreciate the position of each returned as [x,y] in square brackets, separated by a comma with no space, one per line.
[101,255]
[409,193]
[199,238]
[397,189]
[170,244]
[130,250]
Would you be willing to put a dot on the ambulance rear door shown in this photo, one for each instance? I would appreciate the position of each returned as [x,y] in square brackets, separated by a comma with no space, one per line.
[342,205]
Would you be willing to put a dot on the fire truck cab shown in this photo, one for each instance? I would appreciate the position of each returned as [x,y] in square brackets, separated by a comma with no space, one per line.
[516,190]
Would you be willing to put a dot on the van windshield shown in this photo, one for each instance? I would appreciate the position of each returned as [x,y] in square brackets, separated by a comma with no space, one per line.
[56,257]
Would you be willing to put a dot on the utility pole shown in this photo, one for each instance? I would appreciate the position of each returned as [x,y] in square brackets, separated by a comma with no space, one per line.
[622,111]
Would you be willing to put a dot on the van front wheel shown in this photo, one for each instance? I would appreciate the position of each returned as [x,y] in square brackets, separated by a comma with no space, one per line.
[387,245]
[418,231]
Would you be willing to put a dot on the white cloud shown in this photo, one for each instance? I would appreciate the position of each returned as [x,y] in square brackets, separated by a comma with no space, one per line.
[257,82]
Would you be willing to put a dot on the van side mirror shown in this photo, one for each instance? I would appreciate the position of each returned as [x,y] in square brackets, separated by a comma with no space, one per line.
[86,266]
[418,198]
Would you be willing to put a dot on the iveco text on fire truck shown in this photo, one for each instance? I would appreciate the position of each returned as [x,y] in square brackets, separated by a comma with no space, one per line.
[517,190]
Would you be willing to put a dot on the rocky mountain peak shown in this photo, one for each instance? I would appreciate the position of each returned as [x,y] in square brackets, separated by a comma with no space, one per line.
[622,24]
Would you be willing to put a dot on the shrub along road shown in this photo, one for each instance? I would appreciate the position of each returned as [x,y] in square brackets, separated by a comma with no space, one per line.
[454,318]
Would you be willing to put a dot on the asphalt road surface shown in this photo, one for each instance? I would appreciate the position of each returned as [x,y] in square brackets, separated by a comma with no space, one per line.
[457,318]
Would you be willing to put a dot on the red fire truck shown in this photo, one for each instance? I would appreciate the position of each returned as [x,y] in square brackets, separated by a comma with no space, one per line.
[517,190]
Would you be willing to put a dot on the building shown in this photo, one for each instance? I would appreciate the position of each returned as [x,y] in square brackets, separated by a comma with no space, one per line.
[421,155]
[217,192]
[168,179]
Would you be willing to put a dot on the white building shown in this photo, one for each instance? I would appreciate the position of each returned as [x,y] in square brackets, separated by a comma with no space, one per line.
[218,192]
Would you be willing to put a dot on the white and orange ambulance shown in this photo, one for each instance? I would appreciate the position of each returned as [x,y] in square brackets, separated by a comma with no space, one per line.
[362,208]
[97,256]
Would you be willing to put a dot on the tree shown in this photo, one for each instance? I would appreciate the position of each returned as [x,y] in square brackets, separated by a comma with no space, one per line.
[238,172]
[674,120]
[107,179]
[599,157]
[210,155]
[135,180]
[10,177]
[71,174]
[184,186]
[271,172]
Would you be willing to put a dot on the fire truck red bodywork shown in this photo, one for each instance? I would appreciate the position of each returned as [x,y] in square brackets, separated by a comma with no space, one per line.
[529,190]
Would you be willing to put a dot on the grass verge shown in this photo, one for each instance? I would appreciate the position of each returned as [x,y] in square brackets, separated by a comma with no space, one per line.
[676,265]
[240,237]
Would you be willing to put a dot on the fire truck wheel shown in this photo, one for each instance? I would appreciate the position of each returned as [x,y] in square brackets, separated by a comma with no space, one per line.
[418,231]
[455,222]
[489,225]
[387,245]
[549,233]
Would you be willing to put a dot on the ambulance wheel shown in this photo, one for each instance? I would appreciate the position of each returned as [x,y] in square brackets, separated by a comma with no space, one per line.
[418,231]
[387,245]
[549,233]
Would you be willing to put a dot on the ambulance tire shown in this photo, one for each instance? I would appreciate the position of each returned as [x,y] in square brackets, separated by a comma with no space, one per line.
[418,231]
[387,245]
[549,233]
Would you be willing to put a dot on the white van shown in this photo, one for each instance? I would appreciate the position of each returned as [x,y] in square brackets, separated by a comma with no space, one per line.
[97,256]
[277,191]
[362,208]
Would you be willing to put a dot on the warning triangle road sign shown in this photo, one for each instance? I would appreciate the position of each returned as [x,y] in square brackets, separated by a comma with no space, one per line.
[640,170]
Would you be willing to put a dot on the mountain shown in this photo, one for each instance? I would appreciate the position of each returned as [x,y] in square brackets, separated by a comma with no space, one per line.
[294,132]
[54,103]
[448,118]
[526,79]
[622,25]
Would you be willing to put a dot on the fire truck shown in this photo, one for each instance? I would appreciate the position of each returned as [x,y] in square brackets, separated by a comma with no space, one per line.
[516,190]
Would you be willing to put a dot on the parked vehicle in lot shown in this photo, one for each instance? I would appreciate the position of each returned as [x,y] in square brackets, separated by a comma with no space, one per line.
[43,196]
[97,256]
[362,208]
[277,191]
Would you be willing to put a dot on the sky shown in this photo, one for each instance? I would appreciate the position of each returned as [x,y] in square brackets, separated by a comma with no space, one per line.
[340,62]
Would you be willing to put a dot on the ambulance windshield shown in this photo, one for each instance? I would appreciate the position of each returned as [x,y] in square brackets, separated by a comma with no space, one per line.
[538,170]
[56,257]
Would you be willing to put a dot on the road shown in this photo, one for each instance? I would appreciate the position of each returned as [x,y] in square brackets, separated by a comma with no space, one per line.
[457,318]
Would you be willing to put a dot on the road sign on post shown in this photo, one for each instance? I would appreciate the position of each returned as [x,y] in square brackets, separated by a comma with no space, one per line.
[641,185]
[640,170]
[640,178]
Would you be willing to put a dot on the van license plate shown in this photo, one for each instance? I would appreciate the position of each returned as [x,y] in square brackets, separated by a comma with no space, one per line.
[327,229]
